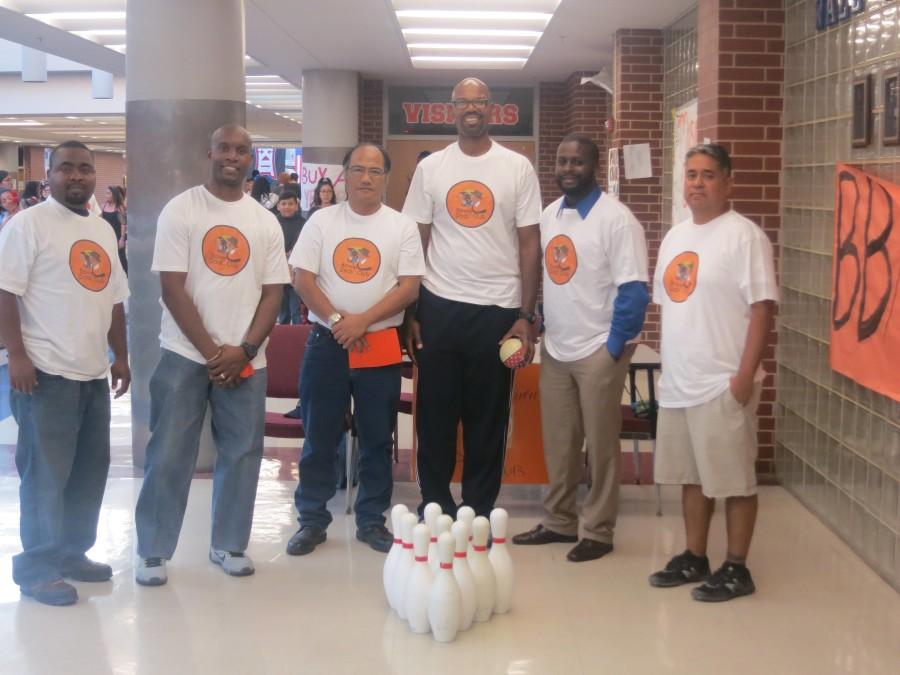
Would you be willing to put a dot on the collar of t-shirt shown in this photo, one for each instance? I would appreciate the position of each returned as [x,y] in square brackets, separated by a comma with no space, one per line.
[584,205]
[81,212]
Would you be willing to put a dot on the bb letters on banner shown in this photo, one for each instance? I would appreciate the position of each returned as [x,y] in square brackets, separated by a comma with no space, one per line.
[865,326]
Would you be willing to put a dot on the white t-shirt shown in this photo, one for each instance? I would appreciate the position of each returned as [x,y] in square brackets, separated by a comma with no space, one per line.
[65,269]
[706,278]
[357,259]
[585,261]
[474,205]
[229,250]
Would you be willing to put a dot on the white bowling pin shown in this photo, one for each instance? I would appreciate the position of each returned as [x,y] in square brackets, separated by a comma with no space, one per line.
[387,574]
[419,583]
[485,584]
[430,514]
[463,574]
[404,563]
[500,560]
[445,598]
[441,525]
[467,515]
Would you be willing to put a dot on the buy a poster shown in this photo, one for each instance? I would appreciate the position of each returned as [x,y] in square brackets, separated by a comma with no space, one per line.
[311,174]
[865,326]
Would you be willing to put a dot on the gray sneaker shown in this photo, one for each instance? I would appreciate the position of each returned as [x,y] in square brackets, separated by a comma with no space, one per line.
[234,563]
[150,572]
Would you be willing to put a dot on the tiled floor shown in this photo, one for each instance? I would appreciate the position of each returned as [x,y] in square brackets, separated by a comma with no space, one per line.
[819,609]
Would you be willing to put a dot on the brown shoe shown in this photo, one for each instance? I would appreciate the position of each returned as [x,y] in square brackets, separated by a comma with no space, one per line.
[589,549]
[541,535]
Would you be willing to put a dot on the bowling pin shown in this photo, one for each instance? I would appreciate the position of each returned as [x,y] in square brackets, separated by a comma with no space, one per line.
[467,515]
[500,560]
[418,585]
[485,584]
[463,574]
[387,574]
[431,512]
[445,598]
[441,525]
[404,563]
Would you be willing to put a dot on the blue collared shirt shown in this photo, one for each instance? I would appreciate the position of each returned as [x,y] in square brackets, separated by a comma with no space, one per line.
[584,205]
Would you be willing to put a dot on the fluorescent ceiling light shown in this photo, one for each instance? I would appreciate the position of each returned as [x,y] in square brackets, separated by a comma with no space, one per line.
[71,117]
[100,31]
[480,32]
[469,15]
[65,16]
[472,59]
[262,77]
[22,123]
[268,84]
[458,46]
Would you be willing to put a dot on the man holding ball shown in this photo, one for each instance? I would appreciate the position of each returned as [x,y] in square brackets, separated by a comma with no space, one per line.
[595,298]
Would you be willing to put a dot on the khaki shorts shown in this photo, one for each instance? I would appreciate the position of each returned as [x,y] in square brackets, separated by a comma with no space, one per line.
[712,445]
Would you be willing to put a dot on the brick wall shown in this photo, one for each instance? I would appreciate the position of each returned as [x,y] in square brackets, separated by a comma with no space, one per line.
[552,128]
[33,162]
[639,119]
[110,170]
[740,103]
[371,111]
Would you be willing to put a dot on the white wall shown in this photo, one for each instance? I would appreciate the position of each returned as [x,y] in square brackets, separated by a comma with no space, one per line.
[62,94]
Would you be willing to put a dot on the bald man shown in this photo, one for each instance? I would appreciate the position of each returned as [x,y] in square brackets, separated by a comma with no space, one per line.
[220,259]
[478,205]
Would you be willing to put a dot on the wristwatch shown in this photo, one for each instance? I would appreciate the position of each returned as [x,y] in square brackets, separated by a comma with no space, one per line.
[333,319]
[250,350]
[530,317]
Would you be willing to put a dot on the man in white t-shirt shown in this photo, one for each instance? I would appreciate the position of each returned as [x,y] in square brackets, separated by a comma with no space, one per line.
[358,265]
[715,283]
[477,205]
[62,291]
[220,258]
[595,299]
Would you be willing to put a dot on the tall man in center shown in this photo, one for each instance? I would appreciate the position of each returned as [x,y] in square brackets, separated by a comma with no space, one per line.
[478,206]
[359,265]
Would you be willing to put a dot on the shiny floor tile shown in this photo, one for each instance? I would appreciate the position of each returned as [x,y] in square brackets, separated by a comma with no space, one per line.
[818,609]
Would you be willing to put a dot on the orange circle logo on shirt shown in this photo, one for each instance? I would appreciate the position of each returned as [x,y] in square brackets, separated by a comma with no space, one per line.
[560,259]
[470,203]
[90,265]
[356,261]
[680,277]
[226,250]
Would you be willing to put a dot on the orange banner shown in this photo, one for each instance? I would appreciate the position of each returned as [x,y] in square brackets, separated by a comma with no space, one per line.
[865,327]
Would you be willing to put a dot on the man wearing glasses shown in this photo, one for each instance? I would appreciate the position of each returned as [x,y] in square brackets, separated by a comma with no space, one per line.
[478,206]
[359,265]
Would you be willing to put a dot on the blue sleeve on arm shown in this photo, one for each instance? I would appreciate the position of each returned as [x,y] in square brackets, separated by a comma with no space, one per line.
[629,310]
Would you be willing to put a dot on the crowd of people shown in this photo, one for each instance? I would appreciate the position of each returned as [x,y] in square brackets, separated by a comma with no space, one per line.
[448,279]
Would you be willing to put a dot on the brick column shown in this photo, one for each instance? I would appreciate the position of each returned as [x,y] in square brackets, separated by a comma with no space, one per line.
[551,129]
[639,119]
[371,111]
[740,103]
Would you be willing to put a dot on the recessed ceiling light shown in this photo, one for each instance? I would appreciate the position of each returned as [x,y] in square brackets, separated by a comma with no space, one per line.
[99,31]
[470,15]
[71,117]
[64,16]
[473,32]
[22,123]
[458,46]
[472,59]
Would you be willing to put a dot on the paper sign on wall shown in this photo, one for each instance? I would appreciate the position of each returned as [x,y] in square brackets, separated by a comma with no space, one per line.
[265,161]
[637,161]
[612,172]
[685,129]
[311,174]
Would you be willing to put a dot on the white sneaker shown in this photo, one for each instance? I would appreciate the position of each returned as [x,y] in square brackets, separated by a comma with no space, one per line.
[235,563]
[150,572]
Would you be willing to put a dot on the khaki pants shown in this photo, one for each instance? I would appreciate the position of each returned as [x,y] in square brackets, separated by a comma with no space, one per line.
[580,402]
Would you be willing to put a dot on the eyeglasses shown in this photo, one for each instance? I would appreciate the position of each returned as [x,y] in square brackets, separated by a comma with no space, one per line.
[359,171]
[463,103]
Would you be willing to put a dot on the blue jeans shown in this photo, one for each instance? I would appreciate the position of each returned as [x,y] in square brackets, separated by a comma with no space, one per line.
[290,306]
[326,385]
[180,390]
[62,456]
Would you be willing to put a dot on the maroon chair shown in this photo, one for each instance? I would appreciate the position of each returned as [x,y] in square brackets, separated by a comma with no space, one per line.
[284,357]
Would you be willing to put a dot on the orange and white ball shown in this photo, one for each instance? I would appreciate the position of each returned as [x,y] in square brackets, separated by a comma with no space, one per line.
[512,353]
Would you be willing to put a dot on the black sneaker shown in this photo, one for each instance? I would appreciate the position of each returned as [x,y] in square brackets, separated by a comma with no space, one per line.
[377,537]
[305,540]
[82,568]
[685,568]
[730,581]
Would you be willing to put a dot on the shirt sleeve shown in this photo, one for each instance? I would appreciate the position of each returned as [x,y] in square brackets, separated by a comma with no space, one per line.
[419,204]
[412,259]
[18,250]
[758,269]
[658,292]
[119,280]
[528,203]
[172,250]
[627,250]
[307,253]
[276,270]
